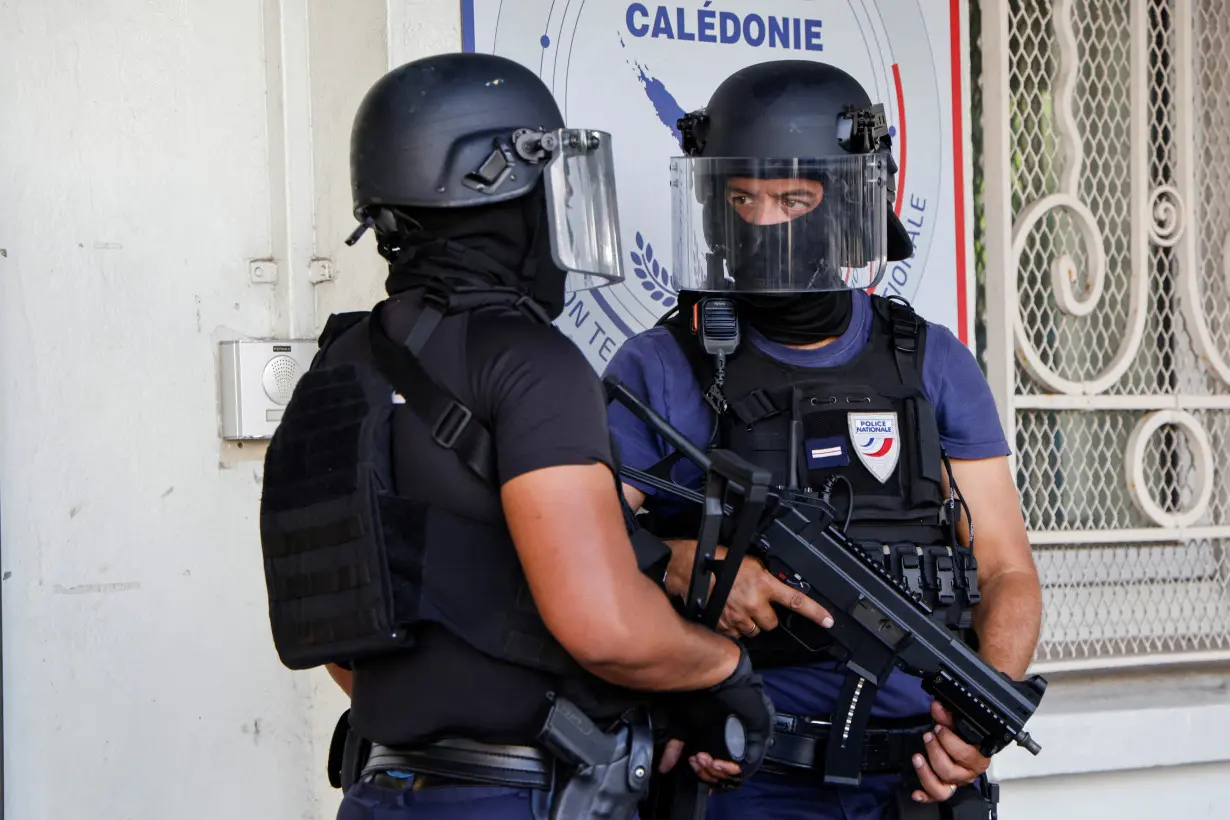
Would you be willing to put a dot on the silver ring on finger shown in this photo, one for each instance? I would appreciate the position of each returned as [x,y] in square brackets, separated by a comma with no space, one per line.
[753,632]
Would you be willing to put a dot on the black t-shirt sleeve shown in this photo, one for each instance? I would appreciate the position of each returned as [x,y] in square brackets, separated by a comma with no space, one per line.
[544,404]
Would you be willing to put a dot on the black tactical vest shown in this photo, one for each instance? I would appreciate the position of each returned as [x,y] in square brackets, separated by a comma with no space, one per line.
[862,436]
[350,564]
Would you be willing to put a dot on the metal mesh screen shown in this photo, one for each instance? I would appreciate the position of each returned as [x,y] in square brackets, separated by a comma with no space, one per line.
[1120,252]
[1087,143]
[1074,469]
[1134,599]
[1212,120]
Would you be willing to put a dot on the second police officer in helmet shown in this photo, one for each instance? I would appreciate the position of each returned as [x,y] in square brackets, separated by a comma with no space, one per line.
[441,520]
[783,220]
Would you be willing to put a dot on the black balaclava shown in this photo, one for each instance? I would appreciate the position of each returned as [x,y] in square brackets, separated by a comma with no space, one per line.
[753,252]
[786,318]
[505,244]
[797,318]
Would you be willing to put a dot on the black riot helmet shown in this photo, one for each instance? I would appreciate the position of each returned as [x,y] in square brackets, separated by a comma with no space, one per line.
[427,134]
[787,185]
[448,138]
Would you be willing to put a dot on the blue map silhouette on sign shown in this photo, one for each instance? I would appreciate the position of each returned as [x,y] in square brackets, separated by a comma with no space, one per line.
[654,276]
[664,104]
[668,110]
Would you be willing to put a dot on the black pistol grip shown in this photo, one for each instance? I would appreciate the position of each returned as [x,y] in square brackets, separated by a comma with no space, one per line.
[571,735]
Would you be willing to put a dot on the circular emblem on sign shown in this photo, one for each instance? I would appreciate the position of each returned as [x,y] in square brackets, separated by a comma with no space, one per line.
[633,69]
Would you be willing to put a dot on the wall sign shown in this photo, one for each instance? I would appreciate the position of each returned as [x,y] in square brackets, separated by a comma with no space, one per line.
[634,68]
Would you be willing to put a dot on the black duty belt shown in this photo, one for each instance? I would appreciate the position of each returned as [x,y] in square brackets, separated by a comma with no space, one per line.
[799,745]
[465,761]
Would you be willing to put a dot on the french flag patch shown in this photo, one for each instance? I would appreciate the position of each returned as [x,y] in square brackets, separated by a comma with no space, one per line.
[823,453]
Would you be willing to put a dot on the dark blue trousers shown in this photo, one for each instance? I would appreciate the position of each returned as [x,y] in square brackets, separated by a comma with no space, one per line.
[762,798]
[365,801]
[765,797]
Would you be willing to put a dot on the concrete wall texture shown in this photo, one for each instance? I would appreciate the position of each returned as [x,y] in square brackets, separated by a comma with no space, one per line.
[150,151]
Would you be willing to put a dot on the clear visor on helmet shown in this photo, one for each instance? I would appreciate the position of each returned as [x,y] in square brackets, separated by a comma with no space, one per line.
[582,211]
[755,225]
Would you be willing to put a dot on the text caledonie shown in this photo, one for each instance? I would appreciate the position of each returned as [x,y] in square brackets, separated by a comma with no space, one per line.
[706,25]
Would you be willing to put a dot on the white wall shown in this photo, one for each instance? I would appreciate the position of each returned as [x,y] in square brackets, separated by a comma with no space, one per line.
[1131,745]
[149,150]
[1182,793]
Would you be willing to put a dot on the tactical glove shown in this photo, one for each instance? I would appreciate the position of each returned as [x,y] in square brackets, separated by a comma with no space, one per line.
[731,721]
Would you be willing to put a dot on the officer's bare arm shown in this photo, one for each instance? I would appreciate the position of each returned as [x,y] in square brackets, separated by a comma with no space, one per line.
[750,605]
[1007,620]
[1010,615]
[570,536]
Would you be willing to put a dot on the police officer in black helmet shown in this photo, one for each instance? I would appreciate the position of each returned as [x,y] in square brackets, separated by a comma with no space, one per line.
[783,219]
[440,519]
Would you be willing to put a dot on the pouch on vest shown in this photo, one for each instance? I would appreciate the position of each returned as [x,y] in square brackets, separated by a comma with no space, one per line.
[326,504]
[351,566]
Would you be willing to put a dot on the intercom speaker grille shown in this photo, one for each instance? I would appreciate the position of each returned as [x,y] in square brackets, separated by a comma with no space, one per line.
[280,377]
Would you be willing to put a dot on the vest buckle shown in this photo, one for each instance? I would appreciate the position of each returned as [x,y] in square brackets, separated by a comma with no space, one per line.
[905,337]
[451,424]
[755,407]
[912,571]
[946,577]
[905,324]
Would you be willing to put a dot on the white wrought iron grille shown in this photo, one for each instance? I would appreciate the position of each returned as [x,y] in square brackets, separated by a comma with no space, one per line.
[1105,236]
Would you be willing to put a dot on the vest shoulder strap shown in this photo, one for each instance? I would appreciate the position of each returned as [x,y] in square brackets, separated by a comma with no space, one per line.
[909,337]
[451,423]
[335,326]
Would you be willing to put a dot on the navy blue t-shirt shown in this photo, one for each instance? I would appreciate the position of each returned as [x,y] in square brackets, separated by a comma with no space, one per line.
[653,366]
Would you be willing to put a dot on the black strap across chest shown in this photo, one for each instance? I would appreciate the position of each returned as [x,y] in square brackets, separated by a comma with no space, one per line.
[907,332]
[452,424]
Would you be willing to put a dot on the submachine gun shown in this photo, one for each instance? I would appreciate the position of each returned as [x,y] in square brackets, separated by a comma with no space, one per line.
[878,622]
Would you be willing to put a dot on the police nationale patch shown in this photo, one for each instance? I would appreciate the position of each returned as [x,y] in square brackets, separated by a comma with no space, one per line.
[823,453]
[877,442]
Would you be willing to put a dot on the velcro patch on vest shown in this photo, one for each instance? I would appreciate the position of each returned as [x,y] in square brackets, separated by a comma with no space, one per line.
[824,453]
[877,442]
